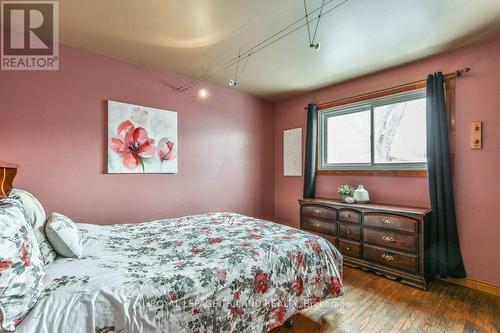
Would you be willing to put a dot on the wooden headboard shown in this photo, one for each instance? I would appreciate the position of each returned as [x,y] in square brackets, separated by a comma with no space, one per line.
[8,171]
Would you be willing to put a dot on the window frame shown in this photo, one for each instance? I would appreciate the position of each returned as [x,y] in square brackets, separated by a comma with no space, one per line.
[418,168]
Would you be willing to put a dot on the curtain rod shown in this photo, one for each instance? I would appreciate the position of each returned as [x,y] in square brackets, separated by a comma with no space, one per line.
[456,74]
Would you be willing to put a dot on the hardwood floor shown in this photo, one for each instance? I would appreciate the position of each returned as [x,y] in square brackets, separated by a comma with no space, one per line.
[376,304]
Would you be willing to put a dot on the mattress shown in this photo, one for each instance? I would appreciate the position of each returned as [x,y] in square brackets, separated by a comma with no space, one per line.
[218,272]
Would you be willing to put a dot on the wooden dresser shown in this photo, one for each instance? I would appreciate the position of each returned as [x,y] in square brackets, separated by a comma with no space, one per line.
[388,240]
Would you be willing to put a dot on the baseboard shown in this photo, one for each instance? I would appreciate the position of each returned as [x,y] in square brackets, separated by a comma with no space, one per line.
[487,287]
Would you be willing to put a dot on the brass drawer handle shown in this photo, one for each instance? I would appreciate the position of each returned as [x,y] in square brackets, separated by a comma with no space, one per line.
[348,232]
[316,211]
[348,248]
[387,221]
[388,239]
[348,215]
[387,257]
[317,225]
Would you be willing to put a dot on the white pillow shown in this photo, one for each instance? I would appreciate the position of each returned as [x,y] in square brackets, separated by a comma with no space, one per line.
[35,215]
[21,266]
[64,236]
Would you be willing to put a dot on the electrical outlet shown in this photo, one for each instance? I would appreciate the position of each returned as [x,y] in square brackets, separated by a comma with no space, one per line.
[476,135]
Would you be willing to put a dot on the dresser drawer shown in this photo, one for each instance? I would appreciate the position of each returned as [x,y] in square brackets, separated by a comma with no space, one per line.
[403,242]
[318,225]
[349,216]
[316,211]
[350,230]
[348,248]
[401,261]
[389,221]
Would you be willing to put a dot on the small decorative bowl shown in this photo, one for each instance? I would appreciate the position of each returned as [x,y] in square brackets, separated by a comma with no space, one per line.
[347,198]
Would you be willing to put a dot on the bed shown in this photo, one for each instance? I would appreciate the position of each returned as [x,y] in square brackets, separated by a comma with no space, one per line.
[218,272]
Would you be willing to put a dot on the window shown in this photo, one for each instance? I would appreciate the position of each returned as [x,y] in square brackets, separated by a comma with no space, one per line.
[386,133]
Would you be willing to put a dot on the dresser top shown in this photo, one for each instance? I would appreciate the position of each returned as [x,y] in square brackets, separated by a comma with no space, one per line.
[375,206]
[9,165]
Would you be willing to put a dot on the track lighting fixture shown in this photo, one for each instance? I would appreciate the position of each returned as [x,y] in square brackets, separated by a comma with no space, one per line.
[271,40]
[312,43]
[315,46]
[237,75]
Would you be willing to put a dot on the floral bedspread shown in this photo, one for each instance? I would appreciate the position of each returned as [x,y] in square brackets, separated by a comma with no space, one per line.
[219,272]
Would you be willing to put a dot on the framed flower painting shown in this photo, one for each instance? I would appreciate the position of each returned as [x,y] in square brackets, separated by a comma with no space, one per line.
[141,139]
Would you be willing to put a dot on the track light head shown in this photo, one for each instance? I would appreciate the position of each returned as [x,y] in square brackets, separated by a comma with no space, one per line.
[315,46]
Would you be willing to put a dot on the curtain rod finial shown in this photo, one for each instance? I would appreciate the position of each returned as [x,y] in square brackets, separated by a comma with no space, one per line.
[463,71]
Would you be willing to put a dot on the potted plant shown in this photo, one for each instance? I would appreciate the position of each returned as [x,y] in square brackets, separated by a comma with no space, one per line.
[345,191]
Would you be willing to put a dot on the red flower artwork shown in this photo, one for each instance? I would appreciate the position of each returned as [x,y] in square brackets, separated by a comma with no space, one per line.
[166,149]
[261,282]
[5,264]
[25,255]
[132,144]
[298,286]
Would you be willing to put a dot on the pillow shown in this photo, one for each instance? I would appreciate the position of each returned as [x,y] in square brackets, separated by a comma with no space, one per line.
[35,215]
[21,266]
[64,236]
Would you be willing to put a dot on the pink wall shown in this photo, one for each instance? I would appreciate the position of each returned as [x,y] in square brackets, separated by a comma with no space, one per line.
[53,124]
[477,178]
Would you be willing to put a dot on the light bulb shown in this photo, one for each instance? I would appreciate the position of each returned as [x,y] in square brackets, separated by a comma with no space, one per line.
[203,93]
[232,83]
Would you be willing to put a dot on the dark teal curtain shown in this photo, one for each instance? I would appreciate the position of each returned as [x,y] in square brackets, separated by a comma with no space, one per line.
[443,248]
[311,149]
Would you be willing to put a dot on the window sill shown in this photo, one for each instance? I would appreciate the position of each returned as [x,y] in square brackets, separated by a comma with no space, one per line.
[374,172]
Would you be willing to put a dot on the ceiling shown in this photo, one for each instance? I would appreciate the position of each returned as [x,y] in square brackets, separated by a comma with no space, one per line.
[191,37]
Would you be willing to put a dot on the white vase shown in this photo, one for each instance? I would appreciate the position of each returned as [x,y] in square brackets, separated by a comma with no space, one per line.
[361,195]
